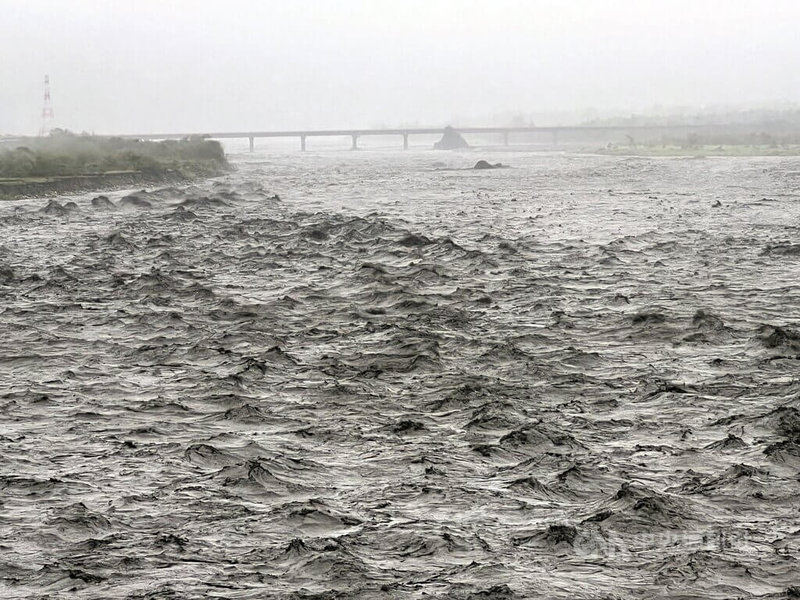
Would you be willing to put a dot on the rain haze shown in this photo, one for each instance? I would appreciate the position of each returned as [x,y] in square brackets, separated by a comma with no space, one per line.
[138,67]
[466,300]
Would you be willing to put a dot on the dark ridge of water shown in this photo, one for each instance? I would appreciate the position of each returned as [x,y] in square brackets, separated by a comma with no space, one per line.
[352,376]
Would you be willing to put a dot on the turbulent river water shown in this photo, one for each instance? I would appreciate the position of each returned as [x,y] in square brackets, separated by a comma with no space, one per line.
[386,375]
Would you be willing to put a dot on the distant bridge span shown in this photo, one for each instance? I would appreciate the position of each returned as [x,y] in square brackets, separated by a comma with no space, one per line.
[405,132]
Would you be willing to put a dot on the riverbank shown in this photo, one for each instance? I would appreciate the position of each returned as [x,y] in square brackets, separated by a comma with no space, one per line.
[65,163]
[15,189]
[699,151]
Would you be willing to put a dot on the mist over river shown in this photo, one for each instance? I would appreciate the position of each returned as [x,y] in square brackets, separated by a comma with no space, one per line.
[384,374]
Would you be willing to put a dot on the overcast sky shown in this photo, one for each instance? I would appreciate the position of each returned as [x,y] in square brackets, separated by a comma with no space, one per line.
[138,66]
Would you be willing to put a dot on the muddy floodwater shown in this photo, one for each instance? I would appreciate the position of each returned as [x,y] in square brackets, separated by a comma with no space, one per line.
[386,375]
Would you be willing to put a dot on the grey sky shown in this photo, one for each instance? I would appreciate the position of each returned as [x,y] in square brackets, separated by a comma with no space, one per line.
[191,65]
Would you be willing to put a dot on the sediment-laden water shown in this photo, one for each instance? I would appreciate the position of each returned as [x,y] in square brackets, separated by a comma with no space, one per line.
[382,375]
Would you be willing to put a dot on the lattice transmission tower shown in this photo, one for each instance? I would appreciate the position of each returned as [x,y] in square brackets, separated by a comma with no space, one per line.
[47,109]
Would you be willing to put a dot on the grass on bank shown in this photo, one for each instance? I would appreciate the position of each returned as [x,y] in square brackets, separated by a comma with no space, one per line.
[701,150]
[64,154]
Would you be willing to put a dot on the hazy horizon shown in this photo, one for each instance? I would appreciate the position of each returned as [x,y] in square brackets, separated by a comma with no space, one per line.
[187,66]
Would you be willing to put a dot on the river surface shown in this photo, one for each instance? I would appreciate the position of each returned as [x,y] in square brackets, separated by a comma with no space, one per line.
[385,375]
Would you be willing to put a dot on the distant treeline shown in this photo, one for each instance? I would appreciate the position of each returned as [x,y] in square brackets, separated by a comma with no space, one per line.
[767,119]
[66,154]
[752,127]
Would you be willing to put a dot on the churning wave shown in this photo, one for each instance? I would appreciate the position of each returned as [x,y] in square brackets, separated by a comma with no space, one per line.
[569,379]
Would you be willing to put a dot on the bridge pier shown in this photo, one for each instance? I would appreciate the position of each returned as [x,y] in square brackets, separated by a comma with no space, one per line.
[252,143]
[405,141]
[302,143]
[355,142]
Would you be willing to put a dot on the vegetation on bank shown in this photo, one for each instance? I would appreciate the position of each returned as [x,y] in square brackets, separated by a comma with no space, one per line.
[64,154]
[785,118]
[700,150]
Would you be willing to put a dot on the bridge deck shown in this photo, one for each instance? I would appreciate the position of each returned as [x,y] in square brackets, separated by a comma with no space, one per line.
[412,131]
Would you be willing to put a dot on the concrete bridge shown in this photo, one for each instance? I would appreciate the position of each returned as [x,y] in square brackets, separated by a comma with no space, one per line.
[557,133]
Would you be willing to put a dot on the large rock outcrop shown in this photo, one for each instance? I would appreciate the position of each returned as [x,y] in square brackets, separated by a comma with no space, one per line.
[451,140]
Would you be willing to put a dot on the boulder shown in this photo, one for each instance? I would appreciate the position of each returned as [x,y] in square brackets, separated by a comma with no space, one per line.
[482,164]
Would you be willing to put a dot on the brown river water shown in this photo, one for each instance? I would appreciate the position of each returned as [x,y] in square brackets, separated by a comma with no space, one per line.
[386,375]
